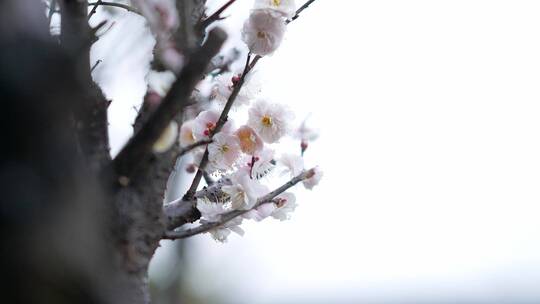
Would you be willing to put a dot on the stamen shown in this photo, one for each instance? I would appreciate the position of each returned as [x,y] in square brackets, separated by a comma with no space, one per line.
[266,121]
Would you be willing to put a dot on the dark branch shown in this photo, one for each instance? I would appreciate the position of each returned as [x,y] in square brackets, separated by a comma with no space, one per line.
[298,11]
[194,145]
[215,16]
[139,148]
[219,124]
[94,9]
[95,65]
[114,4]
[174,235]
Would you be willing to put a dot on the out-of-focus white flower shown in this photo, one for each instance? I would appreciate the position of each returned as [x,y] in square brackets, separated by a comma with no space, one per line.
[160,82]
[314,179]
[250,142]
[211,211]
[223,152]
[205,123]
[172,58]
[286,203]
[186,133]
[270,120]
[221,233]
[285,8]
[224,85]
[167,138]
[305,134]
[292,163]
[263,31]
[167,13]
[244,191]
[162,17]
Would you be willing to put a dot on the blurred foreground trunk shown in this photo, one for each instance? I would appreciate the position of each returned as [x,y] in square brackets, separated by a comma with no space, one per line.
[68,236]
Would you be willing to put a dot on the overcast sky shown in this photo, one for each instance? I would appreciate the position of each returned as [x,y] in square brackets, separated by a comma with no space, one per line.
[430,120]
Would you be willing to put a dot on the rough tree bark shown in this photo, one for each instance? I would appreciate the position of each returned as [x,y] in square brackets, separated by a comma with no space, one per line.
[76,226]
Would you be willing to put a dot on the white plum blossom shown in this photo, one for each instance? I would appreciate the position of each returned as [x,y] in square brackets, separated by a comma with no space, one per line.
[270,120]
[187,137]
[205,123]
[211,211]
[284,8]
[314,179]
[167,138]
[244,191]
[292,163]
[250,142]
[224,85]
[223,152]
[280,208]
[286,203]
[263,32]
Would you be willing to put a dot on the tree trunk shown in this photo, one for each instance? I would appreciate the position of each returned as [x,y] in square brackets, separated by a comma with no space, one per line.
[73,230]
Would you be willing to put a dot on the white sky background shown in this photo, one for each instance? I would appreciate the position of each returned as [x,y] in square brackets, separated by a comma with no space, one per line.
[430,120]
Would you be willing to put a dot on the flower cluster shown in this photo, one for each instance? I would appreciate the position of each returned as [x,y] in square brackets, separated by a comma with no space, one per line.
[243,156]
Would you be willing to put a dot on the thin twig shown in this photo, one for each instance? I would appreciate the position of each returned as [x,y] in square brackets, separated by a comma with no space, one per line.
[298,11]
[174,235]
[95,65]
[114,4]
[194,145]
[94,9]
[215,16]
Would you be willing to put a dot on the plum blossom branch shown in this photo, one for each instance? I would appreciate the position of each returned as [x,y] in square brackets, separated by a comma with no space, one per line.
[250,64]
[139,148]
[268,198]
[221,121]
